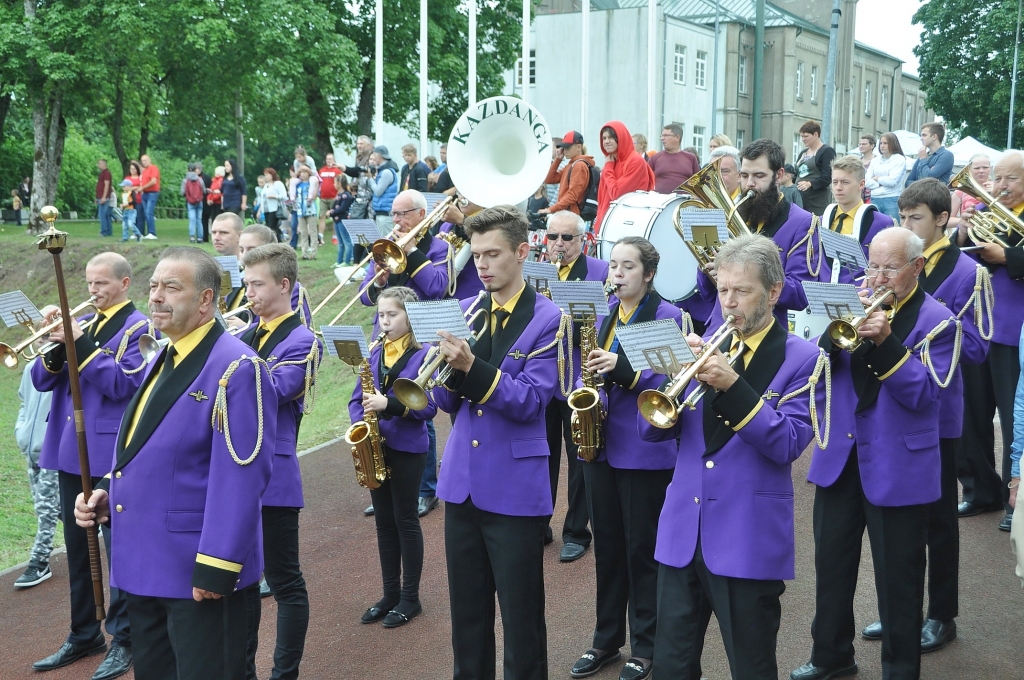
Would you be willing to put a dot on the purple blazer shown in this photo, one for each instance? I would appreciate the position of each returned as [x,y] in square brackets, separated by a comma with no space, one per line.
[426,272]
[497,450]
[894,422]
[952,284]
[791,230]
[1008,287]
[868,221]
[467,283]
[185,502]
[287,352]
[109,377]
[402,429]
[621,388]
[585,268]
[732,488]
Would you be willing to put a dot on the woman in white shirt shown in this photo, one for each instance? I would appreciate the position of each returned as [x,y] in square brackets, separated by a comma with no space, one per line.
[885,175]
[272,198]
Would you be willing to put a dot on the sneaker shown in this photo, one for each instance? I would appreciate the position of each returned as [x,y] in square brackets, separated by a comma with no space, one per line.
[320,239]
[191,239]
[34,575]
[150,237]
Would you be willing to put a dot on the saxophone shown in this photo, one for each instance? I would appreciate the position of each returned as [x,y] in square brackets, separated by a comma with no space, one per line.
[364,436]
[587,412]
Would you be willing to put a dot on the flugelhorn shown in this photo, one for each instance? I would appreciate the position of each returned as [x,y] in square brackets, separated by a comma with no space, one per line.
[843,332]
[9,355]
[994,226]
[661,407]
[413,393]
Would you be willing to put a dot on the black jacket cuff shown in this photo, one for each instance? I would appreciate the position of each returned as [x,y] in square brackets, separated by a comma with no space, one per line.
[84,348]
[737,402]
[882,359]
[414,260]
[623,373]
[103,484]
[55,359]
[1014,262]
[220,581]
[478,383]
[396,408]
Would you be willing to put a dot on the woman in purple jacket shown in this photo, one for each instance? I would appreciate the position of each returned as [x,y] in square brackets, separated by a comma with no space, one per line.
[395,502]
[626,482]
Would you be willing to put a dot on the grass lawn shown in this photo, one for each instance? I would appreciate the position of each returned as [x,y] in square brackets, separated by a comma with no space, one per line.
[23,267]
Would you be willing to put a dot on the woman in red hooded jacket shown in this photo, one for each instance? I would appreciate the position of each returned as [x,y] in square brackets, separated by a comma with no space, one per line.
[625,170]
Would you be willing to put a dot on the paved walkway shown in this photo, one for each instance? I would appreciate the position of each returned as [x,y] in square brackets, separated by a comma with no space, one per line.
[340,562]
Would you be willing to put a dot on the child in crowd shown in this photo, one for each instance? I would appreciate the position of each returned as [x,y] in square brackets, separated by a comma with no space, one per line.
[130,202]
[16,207]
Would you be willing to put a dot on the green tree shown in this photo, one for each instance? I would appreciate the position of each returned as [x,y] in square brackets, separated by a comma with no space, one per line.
[966,55]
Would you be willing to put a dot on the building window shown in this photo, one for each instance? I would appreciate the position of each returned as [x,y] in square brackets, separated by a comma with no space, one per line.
[800,80]
[533,69]
[679,68]
[908,117]
[743,75]
[698,135]
[798,147]
[867,98]
[814,84]
[883,102]
[741,136]
[700,76]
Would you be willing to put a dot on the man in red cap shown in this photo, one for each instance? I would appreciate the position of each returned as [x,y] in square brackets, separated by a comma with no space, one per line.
[574,178]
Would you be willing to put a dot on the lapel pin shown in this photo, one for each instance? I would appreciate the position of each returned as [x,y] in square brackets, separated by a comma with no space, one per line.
[517,355]
[770,394]
[198,396]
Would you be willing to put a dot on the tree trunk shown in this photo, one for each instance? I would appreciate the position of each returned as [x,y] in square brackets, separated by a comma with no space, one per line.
[319,115]
[49,130]
[239,136]
[364,114]
[5,107]
[117,128]
[144,131]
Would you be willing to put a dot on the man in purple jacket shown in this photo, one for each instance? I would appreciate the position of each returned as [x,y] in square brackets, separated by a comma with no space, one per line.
[191,461]
[882,466]
[494,480]
[110,370]
[725,536]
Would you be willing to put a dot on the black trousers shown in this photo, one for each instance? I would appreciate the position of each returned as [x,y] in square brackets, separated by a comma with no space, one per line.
[84,626]
[574,528]
[399,536]
[184,639]
[748,612]
[284,576]
[624,509]
[898,535]
[488,553]
[275,224]
[207,219]
[944,541]
[988,387]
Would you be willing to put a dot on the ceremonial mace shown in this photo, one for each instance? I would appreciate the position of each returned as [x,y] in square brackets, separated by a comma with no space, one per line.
[54,242]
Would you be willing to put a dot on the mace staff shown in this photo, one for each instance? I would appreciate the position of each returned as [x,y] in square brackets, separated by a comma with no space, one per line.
[54,242]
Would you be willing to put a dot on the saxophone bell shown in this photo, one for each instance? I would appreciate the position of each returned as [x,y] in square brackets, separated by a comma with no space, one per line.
[588,414]
[364,436]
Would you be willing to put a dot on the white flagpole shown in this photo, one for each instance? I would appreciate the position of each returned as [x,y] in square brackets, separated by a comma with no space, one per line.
[526,50]
[585,67]
[472,51]
[424,39]
[378,76]
[652,56]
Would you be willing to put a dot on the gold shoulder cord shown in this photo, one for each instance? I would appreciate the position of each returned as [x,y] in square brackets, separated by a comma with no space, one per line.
[307,321]
[123,346]
[564,331]
[312,363]
[983,299]
[449,261]
[686,324]
[220,408]
[809,240]
[925,347]
[822,367]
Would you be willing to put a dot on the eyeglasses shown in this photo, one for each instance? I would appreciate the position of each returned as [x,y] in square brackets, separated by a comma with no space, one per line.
[887,273]
[399,214]
[565,237]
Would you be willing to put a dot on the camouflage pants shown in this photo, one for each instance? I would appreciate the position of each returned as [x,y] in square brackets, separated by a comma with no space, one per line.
[45,495]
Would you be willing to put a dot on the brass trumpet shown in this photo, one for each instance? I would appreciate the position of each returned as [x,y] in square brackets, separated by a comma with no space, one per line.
[238,311]
[9,355]
[149,346]
[413,393]
[660,407]
[994,226]
[843,332]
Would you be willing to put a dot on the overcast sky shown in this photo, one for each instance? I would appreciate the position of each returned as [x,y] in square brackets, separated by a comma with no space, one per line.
[886,25]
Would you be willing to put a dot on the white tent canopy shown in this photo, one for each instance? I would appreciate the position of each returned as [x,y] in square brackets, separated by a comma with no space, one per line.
[968,147]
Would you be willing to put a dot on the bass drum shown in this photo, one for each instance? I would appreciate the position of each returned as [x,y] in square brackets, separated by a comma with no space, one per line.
[649,214]
[806,325]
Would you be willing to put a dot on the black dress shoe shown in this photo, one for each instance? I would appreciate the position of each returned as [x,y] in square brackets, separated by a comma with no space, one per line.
[969,509]
[401,615]
[935,634]
[872,631]
[1007,522]
[634,670]
[378,611]
[549,537]
[571,552]
[591,662]
[70,653]
[369,510]
[117,663]
[426,505]
[811,672]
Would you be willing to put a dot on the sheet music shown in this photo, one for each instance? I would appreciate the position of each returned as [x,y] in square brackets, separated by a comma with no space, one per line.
[430,316]
[656,345]
[579,298]
[433,199]
[16,308]
[363,232]
[347,343]
[846,249]
[834,300]
[704,226]
[540,274]
[230,264]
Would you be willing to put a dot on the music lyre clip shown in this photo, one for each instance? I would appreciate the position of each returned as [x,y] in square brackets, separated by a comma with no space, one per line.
[662,360]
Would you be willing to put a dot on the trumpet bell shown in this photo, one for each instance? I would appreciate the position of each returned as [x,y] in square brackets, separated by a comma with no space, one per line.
[410,393]
[658,409]
[389,255]
[8,356]
[843,334]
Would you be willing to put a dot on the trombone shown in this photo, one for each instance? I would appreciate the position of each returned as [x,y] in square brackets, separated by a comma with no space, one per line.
[9,355]
[413,393]
[843,332]
[661,407]
[389,256]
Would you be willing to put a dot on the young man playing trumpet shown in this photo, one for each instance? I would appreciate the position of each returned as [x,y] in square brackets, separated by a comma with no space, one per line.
[110,367]
[293,355]
[725,536]
[494,480]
